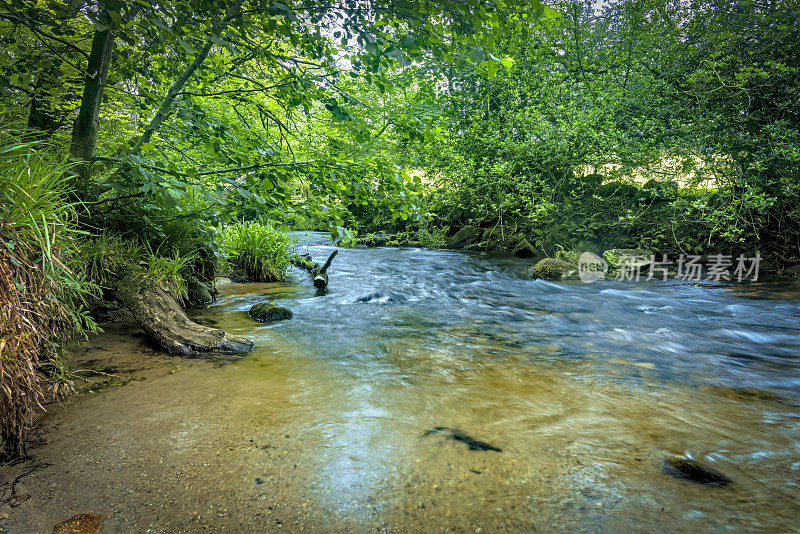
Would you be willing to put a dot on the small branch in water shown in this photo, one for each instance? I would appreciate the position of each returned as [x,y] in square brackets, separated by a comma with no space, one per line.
[318,274]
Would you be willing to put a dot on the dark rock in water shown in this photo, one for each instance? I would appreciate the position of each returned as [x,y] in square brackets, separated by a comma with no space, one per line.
[266,312]
[380,298]
[524,249]
[238,276]
[688,469]
[457,435]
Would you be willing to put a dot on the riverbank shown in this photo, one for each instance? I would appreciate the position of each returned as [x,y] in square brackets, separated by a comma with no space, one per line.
[139,445]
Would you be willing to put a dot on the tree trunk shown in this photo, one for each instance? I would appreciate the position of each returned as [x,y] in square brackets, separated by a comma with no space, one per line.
[86,128]
[165,322]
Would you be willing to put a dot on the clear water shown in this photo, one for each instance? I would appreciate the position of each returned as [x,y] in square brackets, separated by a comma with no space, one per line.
[585,387]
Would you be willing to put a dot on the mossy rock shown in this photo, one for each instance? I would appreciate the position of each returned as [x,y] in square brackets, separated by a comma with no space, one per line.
[553,269]
[465,236]
[199,293]
[614,257]
[265,312]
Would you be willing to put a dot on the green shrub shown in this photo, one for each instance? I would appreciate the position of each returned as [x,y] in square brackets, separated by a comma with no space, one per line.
[435,238]
[43,289]
[293,220]
[567,255]
[260,250]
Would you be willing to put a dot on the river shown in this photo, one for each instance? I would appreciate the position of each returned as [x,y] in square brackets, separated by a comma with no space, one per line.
[585,388]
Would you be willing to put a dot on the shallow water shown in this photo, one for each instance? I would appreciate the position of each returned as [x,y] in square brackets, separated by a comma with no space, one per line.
[586,388]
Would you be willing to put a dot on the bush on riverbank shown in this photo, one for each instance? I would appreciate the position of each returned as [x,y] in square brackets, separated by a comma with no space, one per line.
[43,287]
[260,250]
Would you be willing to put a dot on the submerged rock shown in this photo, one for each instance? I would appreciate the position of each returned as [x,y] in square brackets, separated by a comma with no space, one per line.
[457,435]
[266,312]
[81,524]
[553,269]
[693,471]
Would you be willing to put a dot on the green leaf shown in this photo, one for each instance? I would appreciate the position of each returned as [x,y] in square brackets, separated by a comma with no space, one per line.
[478,54]
[186,46]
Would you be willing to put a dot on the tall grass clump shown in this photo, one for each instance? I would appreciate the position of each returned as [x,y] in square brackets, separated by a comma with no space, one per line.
[260,250]
[43,288]
[169,272]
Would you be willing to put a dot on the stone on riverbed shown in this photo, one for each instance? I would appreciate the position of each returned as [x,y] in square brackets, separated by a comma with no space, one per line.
[693,471]
[81,524]
[553,269]
[265,312]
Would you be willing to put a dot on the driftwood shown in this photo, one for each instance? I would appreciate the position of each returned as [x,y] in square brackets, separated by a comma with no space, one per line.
[318,273]
[165,322]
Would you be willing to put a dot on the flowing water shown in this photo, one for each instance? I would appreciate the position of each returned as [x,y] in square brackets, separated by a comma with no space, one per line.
[585,388]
